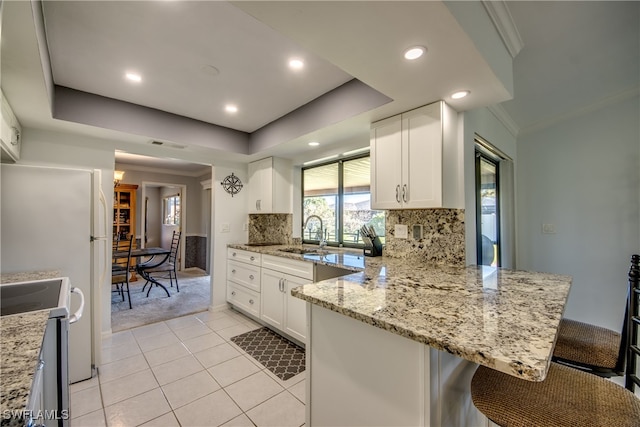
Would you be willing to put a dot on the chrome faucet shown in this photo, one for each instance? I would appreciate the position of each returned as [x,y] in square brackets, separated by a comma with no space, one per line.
[323,241]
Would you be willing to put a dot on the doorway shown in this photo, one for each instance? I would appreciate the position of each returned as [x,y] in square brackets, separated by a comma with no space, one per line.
[495,213]
[170,197]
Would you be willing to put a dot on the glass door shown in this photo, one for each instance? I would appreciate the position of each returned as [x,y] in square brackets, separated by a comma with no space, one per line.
[487,210]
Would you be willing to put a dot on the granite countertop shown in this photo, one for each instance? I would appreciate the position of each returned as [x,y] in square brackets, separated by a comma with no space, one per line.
[500,318]
[20,340]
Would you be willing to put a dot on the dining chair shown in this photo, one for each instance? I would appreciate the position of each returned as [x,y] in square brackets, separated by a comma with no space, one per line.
[567,397]
[167,268]
[121,272]
[595,349]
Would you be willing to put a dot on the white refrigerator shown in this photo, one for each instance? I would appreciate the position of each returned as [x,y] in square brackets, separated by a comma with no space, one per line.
[56,219]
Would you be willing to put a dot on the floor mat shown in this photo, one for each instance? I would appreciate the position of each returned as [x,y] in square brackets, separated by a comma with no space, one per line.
[282,357]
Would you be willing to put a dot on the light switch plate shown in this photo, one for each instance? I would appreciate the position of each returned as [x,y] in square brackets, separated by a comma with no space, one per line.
[548,229]
[401,231]
[225,227]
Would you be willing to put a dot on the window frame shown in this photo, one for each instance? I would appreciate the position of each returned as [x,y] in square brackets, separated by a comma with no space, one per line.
[480,155]
[340,200]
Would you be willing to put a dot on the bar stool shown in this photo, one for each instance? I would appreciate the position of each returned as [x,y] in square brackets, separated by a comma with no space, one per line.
[567,397]
[592,348]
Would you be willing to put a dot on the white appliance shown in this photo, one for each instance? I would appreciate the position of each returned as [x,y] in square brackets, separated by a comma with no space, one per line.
[56,219]
[48,403]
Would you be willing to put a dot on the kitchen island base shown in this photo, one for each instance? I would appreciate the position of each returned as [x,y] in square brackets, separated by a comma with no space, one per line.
[358,375]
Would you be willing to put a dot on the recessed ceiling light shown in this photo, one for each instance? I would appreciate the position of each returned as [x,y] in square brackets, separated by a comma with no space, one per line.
[231,108]
[296,64]
[314,143]
[414,52]
[133,77]
[460,94]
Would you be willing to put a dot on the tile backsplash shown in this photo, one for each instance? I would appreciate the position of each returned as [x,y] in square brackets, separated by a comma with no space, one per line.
[270,228]
[443,235]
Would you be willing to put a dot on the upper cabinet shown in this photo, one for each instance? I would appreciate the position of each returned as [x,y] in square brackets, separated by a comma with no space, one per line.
[10,133]
[270,186]
[416,160]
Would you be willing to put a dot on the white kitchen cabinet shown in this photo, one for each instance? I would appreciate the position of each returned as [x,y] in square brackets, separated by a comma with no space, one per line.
[416,160]
[243,281]
[10,132]
[270,186]
[279,309]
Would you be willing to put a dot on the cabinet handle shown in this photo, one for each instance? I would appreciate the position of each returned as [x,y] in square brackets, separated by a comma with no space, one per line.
[233,254]
[404,193]
[398,193]
[233,293]
[251,301]
[251,276]
[280,285]
[252,258]
[233,271]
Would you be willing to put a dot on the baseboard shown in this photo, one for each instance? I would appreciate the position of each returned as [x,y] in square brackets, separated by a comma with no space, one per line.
[217,308]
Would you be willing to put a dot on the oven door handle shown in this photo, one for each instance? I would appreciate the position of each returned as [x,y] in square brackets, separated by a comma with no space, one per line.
[78,314]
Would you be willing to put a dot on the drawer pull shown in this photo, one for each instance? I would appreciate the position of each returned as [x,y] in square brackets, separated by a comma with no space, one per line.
[252,258]
[233,271]
[233,254]
[233,293]
[251,276]
[250,301]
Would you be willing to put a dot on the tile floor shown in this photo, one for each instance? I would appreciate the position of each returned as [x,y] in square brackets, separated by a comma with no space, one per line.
[186,372]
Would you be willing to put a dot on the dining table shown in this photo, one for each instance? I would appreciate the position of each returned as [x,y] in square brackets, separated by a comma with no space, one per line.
[143,268]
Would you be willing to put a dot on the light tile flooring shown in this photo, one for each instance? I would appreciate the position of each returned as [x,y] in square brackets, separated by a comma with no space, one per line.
[186,372]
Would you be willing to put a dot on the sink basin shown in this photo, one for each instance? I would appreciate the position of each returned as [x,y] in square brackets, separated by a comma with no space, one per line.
[300,251]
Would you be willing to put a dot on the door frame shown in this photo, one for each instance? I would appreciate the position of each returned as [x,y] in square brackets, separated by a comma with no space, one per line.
[183,215]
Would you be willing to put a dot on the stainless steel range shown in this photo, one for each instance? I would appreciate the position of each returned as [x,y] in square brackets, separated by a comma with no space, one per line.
[49,397]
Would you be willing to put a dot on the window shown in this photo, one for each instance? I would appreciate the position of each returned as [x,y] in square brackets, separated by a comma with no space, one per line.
[171,210]
[336,202]
[487,210]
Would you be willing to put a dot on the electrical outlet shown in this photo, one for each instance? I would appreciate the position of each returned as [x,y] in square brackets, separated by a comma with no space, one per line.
[225,227]
[417,232]
[401,231]
[548,229]
[245,226]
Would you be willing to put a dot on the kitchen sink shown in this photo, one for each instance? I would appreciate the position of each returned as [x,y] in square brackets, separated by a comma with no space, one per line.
[300,251]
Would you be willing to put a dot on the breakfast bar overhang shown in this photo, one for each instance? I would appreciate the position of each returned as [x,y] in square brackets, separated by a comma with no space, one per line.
[397,343]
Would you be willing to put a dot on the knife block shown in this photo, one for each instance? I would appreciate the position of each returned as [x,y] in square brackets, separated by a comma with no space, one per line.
[372,247]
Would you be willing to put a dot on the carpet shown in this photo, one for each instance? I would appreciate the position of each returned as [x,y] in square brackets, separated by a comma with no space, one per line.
[279,355]
[194,297]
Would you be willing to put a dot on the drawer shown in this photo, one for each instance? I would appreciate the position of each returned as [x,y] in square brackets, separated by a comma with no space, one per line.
[244,274]
[243,299]
[243,256]
[302,269]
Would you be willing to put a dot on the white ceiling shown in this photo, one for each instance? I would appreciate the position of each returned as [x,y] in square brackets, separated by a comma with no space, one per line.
[575,55]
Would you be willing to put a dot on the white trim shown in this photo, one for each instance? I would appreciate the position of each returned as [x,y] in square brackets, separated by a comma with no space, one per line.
[503,21]
[196,235]
[193,174]
[206,184]
[503,117]
[595,106]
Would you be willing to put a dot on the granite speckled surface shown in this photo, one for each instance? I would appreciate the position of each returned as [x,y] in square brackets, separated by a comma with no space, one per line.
[443,236]
[21,339]
[270,228]
[504,319]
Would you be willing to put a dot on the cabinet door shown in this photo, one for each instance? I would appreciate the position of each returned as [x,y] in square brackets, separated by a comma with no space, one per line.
[295,322]
[422,158]
[260,183]
[386,163]
[272,298]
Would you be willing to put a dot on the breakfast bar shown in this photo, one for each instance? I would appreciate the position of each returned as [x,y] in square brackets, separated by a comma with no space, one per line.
[398,343]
